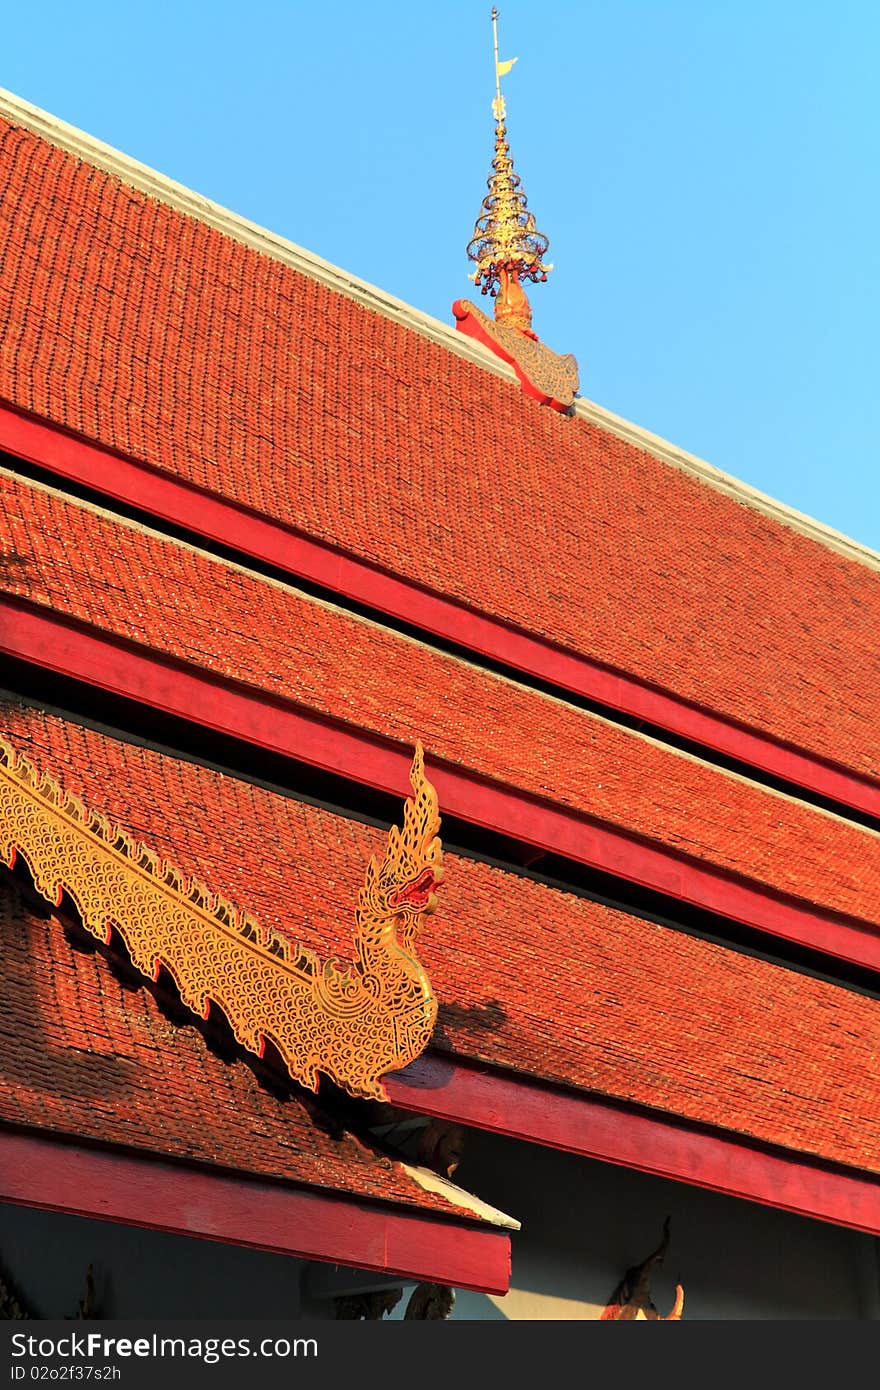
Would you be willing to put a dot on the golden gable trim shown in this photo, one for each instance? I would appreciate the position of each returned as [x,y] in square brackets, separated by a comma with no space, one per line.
[354,1022]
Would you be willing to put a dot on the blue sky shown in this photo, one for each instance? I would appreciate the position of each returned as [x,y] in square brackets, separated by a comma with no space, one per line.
[706,171]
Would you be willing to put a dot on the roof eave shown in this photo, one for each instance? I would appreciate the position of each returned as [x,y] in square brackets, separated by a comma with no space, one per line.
[43,1170]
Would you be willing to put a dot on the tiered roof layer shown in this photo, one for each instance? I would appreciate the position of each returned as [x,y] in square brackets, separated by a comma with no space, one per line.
[178,601]
[154,334]
[530,978]
[88,1054]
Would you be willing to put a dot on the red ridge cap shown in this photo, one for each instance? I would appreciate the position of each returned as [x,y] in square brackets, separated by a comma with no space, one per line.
[233,525]
[542,373]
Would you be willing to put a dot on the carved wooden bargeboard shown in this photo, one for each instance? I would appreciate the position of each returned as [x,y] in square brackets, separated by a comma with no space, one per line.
[354,1022]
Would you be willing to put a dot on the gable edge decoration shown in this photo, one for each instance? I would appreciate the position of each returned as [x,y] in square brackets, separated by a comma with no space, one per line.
[354,1022]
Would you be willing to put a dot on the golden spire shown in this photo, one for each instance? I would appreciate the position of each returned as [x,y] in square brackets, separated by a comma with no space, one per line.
[506,246]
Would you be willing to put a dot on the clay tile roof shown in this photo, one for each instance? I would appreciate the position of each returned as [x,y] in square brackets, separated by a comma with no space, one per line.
[529,978]
[153,333]
[87,1055]
[131,582]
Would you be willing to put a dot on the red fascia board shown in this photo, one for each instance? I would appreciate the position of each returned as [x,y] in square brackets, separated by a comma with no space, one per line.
[302,557]
[138,1190]
[665,1147]
[40,636]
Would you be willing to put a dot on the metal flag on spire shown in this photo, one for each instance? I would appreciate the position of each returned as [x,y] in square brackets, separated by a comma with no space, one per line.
[501,70]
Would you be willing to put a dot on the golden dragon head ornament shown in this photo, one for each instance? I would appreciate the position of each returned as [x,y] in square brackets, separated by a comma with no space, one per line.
[402,885]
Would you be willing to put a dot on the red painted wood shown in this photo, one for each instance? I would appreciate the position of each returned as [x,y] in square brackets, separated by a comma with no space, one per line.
[61,644]
[470,326]
[218,519]
[660,1145]
[140,1190]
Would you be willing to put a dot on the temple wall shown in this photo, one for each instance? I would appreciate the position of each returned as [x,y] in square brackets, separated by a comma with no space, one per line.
[583,1224]
[141,1273]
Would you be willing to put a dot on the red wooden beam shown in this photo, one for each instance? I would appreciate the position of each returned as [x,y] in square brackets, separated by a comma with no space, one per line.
[662,1145]
[58,643]
[141,1190]
[302,557]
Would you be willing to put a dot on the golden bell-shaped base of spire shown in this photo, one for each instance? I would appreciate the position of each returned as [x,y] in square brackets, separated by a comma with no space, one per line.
[505,236]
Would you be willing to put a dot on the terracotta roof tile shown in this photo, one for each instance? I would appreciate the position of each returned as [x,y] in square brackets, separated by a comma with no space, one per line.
[130,323]
[130,582]
[88,1055]
[529,978]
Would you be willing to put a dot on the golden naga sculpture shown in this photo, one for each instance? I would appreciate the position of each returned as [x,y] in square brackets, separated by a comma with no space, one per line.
[508,250]
[353,1022]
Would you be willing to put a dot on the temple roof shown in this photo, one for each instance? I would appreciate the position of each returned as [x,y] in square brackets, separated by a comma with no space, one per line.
[151,332]
[90,1053]
[175,600]
[179,348]
[531,979]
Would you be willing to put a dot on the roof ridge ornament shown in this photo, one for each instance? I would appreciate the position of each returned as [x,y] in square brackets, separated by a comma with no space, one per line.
[506,246]
[354,1022]
[508,249]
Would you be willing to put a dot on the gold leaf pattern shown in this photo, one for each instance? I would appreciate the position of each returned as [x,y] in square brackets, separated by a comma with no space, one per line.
[353,1022]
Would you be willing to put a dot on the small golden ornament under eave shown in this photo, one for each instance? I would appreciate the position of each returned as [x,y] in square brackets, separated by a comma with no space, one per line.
[353,1022]
[631,1300]
[508,249]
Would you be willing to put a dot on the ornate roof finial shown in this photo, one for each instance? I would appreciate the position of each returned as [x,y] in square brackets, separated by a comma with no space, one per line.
[506,246]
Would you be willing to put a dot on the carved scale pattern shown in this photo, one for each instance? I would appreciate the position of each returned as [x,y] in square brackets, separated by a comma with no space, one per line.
[553,375]
[353,1022]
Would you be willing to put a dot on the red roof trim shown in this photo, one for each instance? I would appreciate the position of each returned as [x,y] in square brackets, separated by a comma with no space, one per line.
[663,1146]
[37,1171]
[62,644]
[302,557]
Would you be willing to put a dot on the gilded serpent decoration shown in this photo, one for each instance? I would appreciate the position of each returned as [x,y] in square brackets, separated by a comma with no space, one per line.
[354,1022]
